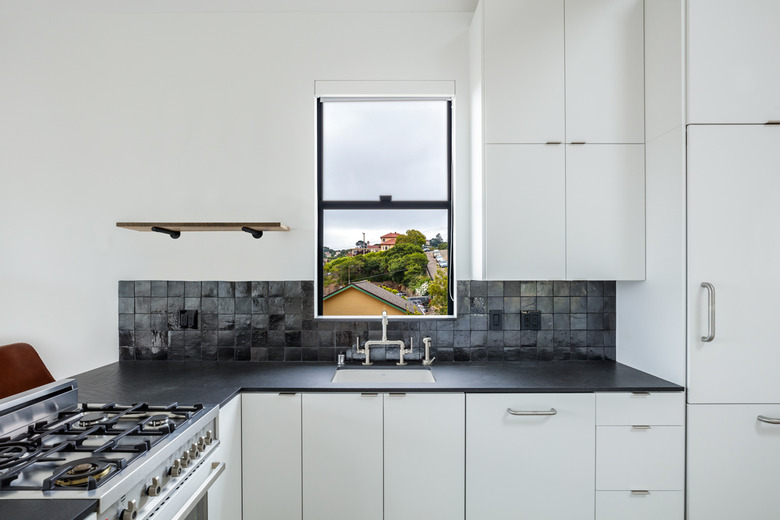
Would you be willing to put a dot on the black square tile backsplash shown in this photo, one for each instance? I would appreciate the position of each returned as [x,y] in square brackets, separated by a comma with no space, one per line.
[274,321]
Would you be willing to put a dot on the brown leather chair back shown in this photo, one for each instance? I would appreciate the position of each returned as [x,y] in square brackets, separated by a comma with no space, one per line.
[21,368]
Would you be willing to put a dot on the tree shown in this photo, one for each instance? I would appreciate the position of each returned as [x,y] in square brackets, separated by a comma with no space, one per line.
[437,241]
[412,236]
[438,291]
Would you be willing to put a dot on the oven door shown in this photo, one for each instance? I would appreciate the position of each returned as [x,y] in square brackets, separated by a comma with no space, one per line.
[189,500]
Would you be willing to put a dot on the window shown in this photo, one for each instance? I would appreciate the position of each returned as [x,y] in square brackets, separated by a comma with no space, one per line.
[385,206]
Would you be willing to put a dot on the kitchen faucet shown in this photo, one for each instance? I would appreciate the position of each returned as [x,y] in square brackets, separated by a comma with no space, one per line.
[383,341]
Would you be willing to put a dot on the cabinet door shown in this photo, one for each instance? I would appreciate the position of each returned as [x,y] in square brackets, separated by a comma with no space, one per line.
[733,223]
[525,212]
[523,71]
[424,456]
[605,212]
[225,495]
[625,505]
[272,456]
[732,462]
[732,54]
[535,467]
[605,71]
[342,456]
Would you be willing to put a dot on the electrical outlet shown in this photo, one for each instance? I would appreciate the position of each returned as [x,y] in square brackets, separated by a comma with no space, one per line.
[531,320]
[188,319]
[496,320]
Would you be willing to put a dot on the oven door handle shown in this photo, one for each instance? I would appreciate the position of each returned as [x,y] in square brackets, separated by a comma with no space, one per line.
[216,470]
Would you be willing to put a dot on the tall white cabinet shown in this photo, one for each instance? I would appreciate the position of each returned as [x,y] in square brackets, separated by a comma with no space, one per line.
[561,98]
[734,391]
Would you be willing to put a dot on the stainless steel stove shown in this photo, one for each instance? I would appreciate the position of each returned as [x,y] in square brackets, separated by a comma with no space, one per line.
[138,461]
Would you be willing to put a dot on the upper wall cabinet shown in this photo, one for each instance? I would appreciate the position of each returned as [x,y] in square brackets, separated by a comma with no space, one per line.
[558,71]
[732,61]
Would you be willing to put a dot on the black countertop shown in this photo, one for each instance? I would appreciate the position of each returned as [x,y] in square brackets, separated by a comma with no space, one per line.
[54,509]
[162,382]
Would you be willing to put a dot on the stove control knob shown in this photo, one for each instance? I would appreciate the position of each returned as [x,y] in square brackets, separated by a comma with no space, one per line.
[130,512]
[175,470]
[155,488]
[202,444]
[209,437]
[185,459]
[194,452]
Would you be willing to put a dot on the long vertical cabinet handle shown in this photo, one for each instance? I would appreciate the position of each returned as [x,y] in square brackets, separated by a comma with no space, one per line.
[710,312]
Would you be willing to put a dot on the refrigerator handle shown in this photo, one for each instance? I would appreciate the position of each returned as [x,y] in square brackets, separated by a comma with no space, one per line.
[710,312]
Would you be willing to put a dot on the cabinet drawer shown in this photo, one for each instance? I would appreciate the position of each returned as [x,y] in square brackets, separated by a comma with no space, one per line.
[635,408]
[648,458]
[620,505]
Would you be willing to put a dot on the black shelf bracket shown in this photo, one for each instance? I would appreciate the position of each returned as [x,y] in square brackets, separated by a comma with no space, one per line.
[254,232]
[173,234]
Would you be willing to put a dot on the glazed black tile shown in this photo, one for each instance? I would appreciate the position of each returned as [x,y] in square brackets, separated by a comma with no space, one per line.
[126,338]
[159,289]
[610,304]
[242,289]
[276,338]
[226,338]
[579,338]
[561,353]
[578,304]
[126,289]
[175,304]
[463,287]
[126,305]
[142,322]
[276,305]
[545,354]
[243,305]
[226,322]
[293,322]
[478,355]
[292,289]
[464,305]
[276,289]
[610,321]
[512,304]
[463,322]
[150,354]
[495,354]
[191,290]
[292,339]
[478,289]
[192,304]
[143,288]
[226,289]
[543,304]
[243,321]
[495,338]
[495,288]
[512,321]
[461,354]
[479,322]
[578,321]
[307,288]
[610,353]
[259,305]
[544,338]
[292,353]
[259,289]
[209,321]
[479,305]
[126,354]
[512,289]
[511,339]
[260,321]
[544,289]
[610,289]
[309,338]
[209,305]
[208,353]
[561,304]
[478,338]
[243,338]
[243,354]
[226,354]
[561,338]
[578,288]
[595,322]
[561,321]
[343,339]
[226,305]
[209,339]
[192,340]
[579,354]
[143,304]
[560,288]
[461,338]
[292,305]
[547,322]
[610,338]
[445,325]
[326,354]
[445,338]
[143,338]
[276,322]
[309,354]
[210,289]
[595,304]
[528,338]
[258,354]
[158,321]
[159,304]
[443,354]
[308,325]
[595,289]
[259,338]
[595,338]
[495,303]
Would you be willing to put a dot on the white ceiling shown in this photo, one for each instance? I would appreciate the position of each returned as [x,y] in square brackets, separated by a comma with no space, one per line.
[206,6]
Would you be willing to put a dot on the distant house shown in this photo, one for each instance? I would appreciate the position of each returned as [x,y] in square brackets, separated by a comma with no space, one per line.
[370,248]
[388,241]
[365,299]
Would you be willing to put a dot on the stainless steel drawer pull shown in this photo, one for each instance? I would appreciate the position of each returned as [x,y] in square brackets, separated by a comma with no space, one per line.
[710,312]
[770,420]
[772,122]
[396,394]
[640,427]
[640,492]
[578,142]
[369,394]
[551,411]
[640,394]
[287,393]
[553,142]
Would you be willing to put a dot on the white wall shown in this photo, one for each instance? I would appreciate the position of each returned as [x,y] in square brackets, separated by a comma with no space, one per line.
[109,117]
[651,314]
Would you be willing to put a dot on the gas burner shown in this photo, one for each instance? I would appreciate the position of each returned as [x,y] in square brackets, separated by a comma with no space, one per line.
[84,473]
[13,453]
[157,421]
[91,419]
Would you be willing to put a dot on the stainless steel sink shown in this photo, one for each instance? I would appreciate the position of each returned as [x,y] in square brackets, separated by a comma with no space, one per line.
[380,376]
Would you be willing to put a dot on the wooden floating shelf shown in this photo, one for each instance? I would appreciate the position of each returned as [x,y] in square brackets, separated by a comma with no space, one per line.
[204,226]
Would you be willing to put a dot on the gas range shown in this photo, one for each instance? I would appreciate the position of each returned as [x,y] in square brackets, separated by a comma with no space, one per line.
[139,461]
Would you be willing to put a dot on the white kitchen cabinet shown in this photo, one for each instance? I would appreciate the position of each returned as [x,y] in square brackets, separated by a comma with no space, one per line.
[272,456]
[525,212]
[342,456]
[605,212]
[732,53]
[640,455]
[524,71]
[530,466]
[733,224]
[732,462]
[605,71]
[424,456]
[224,497]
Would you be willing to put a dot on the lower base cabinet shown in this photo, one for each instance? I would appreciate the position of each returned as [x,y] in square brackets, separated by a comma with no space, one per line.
[530,456]
[224,498]
[633,505]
